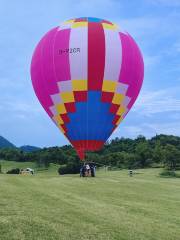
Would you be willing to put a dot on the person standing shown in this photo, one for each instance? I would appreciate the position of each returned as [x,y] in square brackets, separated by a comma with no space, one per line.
[88,169]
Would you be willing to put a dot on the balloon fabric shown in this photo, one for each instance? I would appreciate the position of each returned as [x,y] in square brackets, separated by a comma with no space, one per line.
[87,74]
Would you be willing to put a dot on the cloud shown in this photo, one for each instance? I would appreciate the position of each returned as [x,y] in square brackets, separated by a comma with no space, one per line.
[84,4]
[168,3]
[153,23]
[152,30]
[150,129]
[177,47]
[172,128]
[133,130]
[10,84]
[150,61]
[141,23]
[19,108]
[160,101]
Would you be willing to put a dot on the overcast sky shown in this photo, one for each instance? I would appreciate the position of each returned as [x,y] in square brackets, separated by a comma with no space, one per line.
[154,24]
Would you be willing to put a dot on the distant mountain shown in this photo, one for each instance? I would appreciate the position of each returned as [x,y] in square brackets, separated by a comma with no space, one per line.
[27,148]
[4,143]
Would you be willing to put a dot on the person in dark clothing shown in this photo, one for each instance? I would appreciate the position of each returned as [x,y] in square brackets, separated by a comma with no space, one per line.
[92,171]
[83,170]
[92,167]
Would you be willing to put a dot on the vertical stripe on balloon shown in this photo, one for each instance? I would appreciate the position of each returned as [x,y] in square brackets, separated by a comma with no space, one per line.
[38,79]
[78,57]
[132,65]
[127,60]
[47,62]
[61,55]
[138,71]
[78,63]
[113,56]
[96,55]
[96,62]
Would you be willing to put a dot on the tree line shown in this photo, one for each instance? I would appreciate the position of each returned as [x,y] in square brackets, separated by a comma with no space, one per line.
[159,151]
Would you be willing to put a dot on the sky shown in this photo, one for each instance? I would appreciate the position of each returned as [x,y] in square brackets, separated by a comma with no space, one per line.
[155,26]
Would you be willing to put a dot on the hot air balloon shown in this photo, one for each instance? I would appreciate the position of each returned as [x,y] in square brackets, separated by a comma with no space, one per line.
[87,74]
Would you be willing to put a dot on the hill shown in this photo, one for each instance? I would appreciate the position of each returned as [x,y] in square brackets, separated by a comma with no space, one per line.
[27,148]
[4,143]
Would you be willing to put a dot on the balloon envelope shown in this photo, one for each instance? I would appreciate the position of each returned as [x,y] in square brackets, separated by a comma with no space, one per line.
[87,74]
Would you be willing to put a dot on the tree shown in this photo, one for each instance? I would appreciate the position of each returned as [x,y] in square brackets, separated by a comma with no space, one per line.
[158,154]
[172,156]
[144,154]
[120,152]
[45,159]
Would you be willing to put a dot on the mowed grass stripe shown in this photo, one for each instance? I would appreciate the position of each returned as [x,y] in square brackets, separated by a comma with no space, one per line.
[111,206]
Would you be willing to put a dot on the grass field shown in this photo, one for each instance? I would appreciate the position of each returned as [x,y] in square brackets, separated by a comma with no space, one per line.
[110,206]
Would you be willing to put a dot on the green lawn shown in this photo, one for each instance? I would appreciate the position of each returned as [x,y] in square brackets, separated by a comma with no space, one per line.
[8,165]
[110,206]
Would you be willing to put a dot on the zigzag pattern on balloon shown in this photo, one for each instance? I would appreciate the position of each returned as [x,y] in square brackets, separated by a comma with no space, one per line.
[74,91]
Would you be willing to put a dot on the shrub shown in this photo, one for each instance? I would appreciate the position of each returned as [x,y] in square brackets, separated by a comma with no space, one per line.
[169,173]
[14,171]
[70,168]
